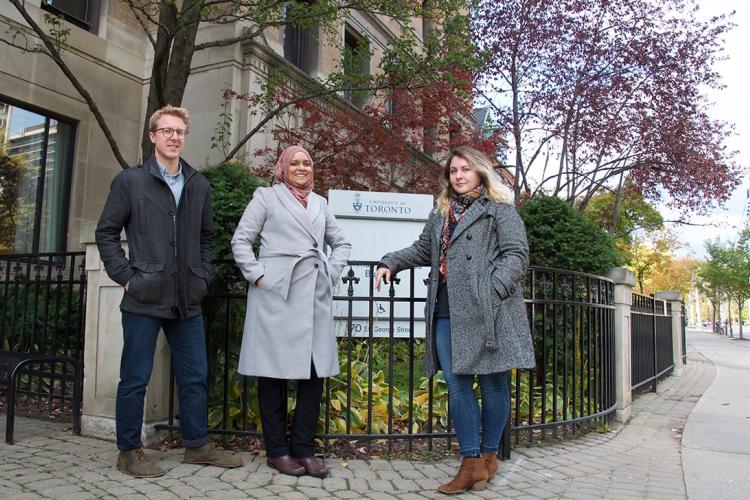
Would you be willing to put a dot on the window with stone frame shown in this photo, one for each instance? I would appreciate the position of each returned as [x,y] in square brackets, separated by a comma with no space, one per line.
[82,13]
[301,43]
[356,63]
[36,158]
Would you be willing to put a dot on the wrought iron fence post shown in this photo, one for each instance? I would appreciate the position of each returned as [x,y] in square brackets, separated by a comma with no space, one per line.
[623,298]
[675,299]
[683,327]
[655,349]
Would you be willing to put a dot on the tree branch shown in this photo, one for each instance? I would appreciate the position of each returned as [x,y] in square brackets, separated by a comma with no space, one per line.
[142,22]
[55,55]
[248,34]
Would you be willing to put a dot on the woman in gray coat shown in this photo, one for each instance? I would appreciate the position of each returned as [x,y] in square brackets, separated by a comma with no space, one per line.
[289,331]
[476,320]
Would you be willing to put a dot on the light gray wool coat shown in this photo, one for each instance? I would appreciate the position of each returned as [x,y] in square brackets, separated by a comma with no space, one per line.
[487,261]
[289,319]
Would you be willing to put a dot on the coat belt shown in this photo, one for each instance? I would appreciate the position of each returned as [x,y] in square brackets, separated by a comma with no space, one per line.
[298,256]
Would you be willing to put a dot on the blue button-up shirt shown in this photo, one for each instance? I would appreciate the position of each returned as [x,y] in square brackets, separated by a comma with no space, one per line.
[175,182]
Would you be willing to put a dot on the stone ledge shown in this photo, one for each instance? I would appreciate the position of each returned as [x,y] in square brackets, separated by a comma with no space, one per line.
[670,296]
[622,276]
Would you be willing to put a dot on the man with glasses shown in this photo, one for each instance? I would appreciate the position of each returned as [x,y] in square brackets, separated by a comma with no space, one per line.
[164,205]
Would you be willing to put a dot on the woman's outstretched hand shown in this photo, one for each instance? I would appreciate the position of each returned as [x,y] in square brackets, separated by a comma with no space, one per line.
[382,273]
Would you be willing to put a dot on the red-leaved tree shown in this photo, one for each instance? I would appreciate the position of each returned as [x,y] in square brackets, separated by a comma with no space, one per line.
[589,92]
[397,143]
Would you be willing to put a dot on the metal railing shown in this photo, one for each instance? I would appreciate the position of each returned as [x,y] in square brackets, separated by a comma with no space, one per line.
[572,318]
[683,326]
[42,311]
[650,341]
[382,392]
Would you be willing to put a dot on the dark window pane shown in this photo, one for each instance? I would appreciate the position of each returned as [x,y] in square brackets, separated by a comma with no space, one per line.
[77,9]
[56,179]
[356,64]
[300,44]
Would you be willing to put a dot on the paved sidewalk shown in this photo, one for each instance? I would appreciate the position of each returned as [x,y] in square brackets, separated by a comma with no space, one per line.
[716,444]
[638,460]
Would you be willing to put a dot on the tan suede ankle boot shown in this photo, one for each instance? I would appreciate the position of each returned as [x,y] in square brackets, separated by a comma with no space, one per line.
[472,474]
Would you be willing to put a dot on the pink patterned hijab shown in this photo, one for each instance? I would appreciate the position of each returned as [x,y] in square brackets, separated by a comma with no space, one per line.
[282,173]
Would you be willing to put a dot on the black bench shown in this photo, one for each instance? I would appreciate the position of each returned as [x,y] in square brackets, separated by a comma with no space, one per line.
[13,364]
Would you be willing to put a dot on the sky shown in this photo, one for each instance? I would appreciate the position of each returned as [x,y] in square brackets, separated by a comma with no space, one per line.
[20,119]
[732,105]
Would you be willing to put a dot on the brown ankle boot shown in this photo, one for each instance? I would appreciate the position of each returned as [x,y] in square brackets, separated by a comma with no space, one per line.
[208,454]
[137,464]
[472,474]
[490,462]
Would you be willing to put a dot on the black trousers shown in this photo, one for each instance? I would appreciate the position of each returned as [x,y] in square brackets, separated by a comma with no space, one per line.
[272,402]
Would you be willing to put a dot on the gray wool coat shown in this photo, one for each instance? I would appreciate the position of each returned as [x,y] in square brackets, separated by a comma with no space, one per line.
[289,318]
[487,262]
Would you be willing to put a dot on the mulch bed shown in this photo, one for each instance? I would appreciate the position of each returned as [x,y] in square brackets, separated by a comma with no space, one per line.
[370,449]
[40,408]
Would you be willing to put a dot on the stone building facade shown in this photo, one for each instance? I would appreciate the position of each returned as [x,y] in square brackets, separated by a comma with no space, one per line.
[61,189]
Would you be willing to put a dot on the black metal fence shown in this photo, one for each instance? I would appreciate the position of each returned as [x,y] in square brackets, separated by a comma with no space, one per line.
[572,318]
[42,311]
[683,326]
[651,340]
[382,392]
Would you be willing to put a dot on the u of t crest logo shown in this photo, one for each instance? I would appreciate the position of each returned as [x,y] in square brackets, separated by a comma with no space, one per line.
[357,203]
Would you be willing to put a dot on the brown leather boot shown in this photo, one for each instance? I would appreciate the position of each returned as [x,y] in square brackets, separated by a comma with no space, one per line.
[472,474]
[490,462]
[286,465]
[135,463]
[313,466]
[208,454]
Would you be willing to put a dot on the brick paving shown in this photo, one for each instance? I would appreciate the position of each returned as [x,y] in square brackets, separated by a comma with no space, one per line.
[641,459]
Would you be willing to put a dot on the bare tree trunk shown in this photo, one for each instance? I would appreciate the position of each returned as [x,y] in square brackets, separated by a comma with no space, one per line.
[173,53]
[713,316]
[619,196]
[564,150]
[517,134]
[729,317]
[739,320]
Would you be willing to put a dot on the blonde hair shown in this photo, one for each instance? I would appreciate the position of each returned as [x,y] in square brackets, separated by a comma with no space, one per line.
[494,187]
[168,110]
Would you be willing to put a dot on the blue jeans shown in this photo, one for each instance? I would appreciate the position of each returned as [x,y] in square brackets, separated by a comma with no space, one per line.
[187,341]
[464,407]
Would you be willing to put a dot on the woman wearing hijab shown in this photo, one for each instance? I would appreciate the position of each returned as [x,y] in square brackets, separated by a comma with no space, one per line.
[476,322]
[289,331]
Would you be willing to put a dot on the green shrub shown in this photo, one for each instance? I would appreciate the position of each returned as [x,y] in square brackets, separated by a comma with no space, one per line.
[562,238]
[232,187]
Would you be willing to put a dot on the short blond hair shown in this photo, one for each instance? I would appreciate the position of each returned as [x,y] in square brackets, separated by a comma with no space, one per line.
[168,110]
[494,187]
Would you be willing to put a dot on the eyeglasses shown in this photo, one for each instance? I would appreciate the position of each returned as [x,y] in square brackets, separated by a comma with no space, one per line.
[168,133]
